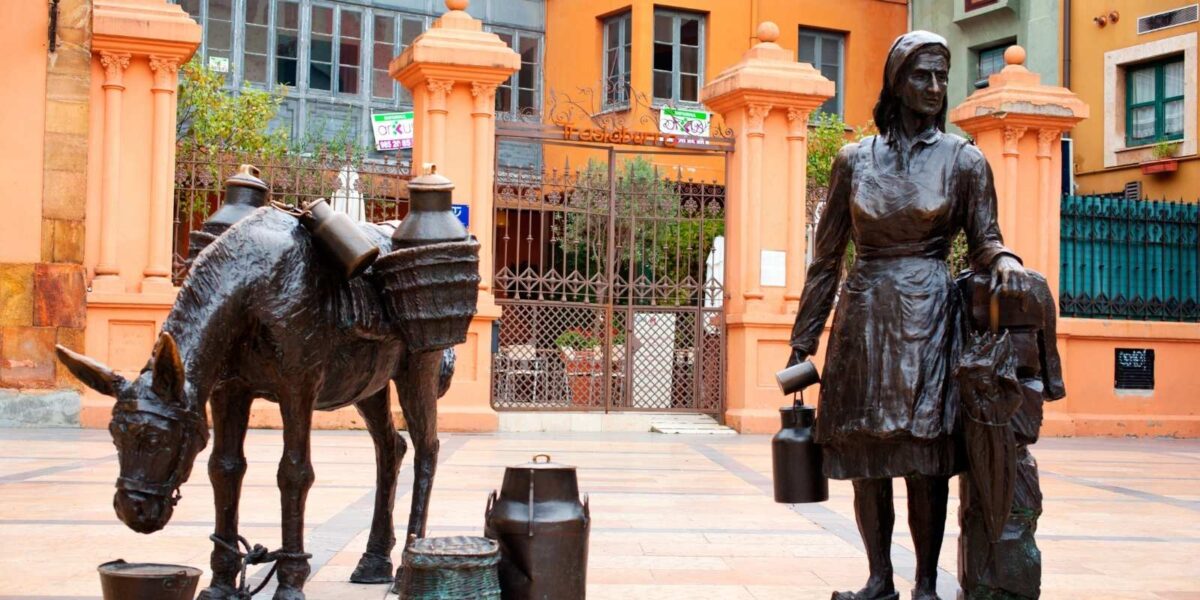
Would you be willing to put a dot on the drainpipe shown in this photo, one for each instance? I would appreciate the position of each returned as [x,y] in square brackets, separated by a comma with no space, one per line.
[1066,78]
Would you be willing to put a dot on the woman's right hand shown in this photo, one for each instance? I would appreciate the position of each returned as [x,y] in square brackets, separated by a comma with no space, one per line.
[797,357]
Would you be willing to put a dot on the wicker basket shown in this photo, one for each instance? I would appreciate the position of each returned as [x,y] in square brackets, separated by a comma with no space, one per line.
[431,292]
[450,568]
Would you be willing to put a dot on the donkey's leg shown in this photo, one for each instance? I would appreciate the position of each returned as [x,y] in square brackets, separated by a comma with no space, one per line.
[417,385]
[226,468]
[294,478]
[375,566]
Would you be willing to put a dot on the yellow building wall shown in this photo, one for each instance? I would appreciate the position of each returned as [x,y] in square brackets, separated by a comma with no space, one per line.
[1088,45]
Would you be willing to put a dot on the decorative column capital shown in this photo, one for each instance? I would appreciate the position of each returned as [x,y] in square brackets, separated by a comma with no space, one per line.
[485,97]
[797,122]
[166,70]
[1046,138]
[1012,137]
[758,114]
[439,89]
[114,64]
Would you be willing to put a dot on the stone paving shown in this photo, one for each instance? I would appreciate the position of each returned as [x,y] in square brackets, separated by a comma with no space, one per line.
[674,516]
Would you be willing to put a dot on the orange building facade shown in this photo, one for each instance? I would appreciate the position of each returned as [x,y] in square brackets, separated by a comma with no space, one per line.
[89,159]
[1136,61]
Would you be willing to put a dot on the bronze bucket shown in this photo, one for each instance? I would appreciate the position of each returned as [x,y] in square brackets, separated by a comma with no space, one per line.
[543,530]
[120,580]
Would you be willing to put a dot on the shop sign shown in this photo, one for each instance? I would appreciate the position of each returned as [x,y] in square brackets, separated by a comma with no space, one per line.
[393,130]
[620,135]
[693,123]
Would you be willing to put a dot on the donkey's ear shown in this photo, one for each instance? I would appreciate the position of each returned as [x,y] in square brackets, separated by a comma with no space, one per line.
[92,373]
[167,377]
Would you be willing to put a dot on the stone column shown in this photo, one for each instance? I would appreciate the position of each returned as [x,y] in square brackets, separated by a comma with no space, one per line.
[453,70]
[482,163]
[797,202]
[162,171]
[114,64]
[1017,122]
[766,98]
[138,45]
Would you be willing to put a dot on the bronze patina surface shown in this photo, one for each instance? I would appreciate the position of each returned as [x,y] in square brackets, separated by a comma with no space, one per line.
[263,314]
[889,406]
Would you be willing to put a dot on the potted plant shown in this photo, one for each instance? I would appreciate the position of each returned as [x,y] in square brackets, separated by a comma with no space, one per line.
[581,358]
[1164,158]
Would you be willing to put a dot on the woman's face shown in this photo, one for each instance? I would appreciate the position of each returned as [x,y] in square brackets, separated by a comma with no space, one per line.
[922,89]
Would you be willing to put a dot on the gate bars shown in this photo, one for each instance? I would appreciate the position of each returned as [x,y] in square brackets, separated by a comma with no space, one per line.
[1130,259]
[605,276]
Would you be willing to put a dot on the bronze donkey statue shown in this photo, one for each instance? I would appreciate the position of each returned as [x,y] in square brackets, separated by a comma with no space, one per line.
[261,315]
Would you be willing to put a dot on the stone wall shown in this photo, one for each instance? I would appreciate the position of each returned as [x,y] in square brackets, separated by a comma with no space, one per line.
[44,301]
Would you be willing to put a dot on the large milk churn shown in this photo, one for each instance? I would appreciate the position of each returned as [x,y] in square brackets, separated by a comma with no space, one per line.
[795,455]
[430,214]
[543,529]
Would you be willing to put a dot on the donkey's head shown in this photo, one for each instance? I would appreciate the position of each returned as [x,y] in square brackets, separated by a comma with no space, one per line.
[156,432]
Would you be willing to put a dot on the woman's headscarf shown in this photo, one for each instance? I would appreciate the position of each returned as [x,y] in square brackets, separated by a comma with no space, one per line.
[887,110]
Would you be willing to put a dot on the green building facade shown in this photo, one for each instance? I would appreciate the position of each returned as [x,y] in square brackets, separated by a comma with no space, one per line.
[979,30]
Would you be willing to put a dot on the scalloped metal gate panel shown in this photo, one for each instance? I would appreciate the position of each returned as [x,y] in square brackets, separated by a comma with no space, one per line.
[608,272]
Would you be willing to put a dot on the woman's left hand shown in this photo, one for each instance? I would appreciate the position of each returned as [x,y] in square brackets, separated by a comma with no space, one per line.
[1010,276]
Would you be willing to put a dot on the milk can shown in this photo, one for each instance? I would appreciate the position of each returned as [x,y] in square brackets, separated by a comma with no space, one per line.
[339,237]
[542,528]
[430,216]
[795,455]
[244,194]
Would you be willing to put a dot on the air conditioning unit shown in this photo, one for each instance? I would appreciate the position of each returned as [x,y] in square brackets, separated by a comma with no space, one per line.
[1170,18]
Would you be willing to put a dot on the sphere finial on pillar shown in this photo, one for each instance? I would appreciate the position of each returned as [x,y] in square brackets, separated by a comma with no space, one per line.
[1014,55]
[768,32]
[458,4]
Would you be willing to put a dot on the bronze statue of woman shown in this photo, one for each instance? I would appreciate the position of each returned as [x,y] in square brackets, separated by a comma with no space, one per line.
[888,405]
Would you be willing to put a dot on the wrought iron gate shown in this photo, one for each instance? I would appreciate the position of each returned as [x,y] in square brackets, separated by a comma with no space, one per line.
[608,272]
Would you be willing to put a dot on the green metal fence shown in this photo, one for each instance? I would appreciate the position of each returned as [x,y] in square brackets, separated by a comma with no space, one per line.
[1130,259]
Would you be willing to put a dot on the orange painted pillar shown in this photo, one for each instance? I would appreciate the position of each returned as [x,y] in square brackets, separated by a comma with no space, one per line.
[1017,122]
[453,70]
[766,98]
[137,47]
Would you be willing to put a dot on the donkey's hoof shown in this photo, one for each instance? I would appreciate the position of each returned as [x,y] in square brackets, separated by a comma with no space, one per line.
[288,593]
[372,568]
[218,592]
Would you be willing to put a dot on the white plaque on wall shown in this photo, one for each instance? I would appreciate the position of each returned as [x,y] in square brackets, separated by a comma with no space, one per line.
[773,270]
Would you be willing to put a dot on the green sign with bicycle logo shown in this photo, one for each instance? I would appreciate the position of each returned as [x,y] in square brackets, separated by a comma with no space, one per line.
[678,121]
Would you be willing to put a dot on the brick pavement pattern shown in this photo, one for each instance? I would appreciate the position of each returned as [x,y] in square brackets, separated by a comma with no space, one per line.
[674,516]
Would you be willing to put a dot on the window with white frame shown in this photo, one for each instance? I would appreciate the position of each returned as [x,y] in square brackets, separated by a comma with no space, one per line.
[618,45]
[1150,96]
[678,56]
[824,50]
[519,95]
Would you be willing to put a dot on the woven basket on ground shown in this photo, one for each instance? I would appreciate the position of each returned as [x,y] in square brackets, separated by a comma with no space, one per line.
[431,291]
[450,568]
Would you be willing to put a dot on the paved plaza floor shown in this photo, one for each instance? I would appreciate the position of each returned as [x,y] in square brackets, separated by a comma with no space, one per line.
[673,516]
